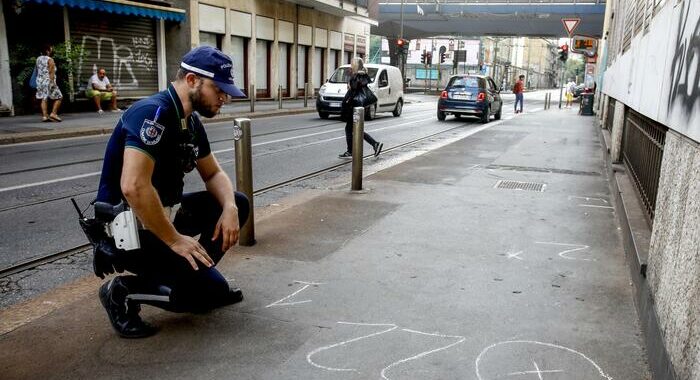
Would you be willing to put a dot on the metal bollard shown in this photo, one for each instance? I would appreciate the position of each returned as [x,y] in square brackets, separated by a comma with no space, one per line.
[251,95]
[358,131]
[306,94]
[546,101]
[279,96]
[244,175]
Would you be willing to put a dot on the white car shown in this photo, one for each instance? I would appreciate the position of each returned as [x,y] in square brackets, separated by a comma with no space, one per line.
[385,82]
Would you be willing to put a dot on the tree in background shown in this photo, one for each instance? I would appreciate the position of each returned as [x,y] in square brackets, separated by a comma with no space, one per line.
[375,49]
[574,69]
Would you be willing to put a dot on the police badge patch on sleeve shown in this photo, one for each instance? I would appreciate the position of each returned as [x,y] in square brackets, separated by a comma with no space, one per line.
[151,132]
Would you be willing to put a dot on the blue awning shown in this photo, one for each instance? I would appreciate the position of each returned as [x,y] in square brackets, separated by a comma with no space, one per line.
[126,8]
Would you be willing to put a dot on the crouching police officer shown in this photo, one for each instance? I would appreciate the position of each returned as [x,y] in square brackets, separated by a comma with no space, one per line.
[154,144]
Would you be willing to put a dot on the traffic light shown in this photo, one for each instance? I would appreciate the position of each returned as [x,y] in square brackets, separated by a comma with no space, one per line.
[402,45]
[442,57]
[429,58]
[422,57]
[563,52]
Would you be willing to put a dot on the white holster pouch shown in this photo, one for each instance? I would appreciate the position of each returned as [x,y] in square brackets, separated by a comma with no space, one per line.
[125,231]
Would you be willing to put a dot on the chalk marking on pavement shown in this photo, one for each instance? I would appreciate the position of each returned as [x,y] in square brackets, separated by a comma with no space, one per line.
[537,370]
[596,206]
[589,198]
[316,351]
[562,254]
[425,353]
[514,255]
[478,358]
[306,285]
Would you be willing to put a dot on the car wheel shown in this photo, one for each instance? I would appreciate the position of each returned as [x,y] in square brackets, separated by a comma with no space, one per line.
[486,116]
[497,116]
[370,112]
[398,108]
[441,115]
[323,115]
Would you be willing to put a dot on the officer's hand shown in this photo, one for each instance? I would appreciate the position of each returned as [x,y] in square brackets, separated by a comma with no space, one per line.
[228,228]
[190,249]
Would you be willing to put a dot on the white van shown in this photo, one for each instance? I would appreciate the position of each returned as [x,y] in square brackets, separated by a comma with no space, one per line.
[386,83]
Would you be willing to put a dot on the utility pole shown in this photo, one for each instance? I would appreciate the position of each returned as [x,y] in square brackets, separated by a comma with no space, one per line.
[402,57]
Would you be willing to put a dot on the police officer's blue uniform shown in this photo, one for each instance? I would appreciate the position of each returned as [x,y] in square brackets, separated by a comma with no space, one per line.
[157,126]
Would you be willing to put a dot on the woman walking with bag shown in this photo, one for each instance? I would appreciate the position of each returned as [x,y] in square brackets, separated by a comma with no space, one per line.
[358,95]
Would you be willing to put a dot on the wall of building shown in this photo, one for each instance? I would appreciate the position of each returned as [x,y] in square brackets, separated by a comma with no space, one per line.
[324,35]
[653,61]
[657,75]
[674,255]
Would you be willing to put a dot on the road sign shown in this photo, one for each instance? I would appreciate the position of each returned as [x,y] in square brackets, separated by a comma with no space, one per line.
[570,24]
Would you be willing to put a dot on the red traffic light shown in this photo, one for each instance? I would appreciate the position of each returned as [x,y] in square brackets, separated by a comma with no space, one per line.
[565,47]
[400,42]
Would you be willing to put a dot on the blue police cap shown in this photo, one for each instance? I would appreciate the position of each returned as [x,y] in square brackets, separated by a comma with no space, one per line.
[211,63]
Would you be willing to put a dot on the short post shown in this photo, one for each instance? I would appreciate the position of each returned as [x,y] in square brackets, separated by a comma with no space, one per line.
[251,95]
[358,131]
[546,101]
[244,175]
[279,96]
[306,94]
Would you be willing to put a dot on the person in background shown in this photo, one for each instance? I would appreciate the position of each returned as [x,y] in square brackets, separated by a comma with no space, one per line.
[570,88]
[99,89]
[46,87]
[358,81]
[518,88]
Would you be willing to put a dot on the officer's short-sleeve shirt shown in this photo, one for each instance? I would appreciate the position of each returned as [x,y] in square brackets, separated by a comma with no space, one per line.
[155,127]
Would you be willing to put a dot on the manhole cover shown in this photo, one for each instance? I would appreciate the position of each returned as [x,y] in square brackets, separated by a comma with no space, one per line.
[517,185]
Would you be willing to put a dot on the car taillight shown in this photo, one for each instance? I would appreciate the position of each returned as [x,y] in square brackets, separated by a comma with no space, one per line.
[443,95]
[481,97]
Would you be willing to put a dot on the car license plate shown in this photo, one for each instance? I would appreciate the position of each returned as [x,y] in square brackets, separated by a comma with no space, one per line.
[334,104]
[462,96]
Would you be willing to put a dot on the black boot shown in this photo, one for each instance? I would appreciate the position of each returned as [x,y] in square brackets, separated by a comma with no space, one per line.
[122,312]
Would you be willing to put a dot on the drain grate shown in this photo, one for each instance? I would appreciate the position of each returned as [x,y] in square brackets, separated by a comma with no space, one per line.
[517,185]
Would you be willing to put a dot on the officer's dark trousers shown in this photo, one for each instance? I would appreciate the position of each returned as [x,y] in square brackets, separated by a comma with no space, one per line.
[158,267]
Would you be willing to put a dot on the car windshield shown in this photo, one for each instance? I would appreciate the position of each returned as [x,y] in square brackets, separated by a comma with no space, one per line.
[464,82]
[342,74]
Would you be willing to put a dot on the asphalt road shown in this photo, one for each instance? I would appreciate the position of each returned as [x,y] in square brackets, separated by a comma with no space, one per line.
[38,179]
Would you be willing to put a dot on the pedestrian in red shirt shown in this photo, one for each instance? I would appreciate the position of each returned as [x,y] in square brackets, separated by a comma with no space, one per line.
[518,91]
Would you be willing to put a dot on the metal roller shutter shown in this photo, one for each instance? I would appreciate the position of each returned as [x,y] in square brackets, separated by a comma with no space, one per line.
[124,46]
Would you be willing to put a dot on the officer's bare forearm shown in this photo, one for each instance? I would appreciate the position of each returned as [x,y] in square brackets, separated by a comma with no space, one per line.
[219,185]
[144,201]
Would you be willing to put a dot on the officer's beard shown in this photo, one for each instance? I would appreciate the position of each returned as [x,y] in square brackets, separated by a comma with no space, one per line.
[199,103]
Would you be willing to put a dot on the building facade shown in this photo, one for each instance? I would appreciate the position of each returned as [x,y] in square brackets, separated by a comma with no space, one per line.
[502,58]
[650,108]
[278,44]
[275,44]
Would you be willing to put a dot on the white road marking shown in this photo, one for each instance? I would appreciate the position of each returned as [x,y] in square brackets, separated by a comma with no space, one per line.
[49,181]
[562,254]
[478,358]
[316,351]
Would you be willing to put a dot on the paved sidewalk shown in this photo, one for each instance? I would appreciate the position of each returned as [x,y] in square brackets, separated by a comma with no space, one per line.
[432,272]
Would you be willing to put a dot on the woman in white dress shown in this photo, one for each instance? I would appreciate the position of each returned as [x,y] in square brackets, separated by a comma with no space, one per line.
[46,87]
